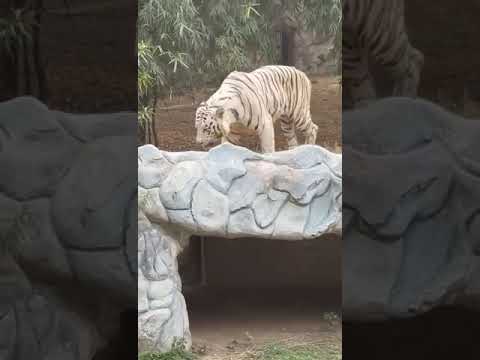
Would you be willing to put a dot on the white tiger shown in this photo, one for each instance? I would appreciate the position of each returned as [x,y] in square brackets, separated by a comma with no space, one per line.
[374,30]
[257,100]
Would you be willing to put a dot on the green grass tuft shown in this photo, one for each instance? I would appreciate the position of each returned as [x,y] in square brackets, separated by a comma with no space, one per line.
[177,354]
[300,352]
[276,351]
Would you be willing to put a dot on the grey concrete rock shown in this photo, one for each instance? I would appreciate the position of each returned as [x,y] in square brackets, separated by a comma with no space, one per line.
[90,127]
[210,209]
[325,214]
[35,317]
[243,224]
[291,222]
[227,192]
[155,166]
[9,218]
[372,265]
[244,191]
[225,164]
[41,246]
[177,157]
[177,187]
[203,196]
[143,302]
[160,289]
[87,216]
[101,269]
[183,217]
[302,185]
[267,207]
[48,151]
[151,204]
[306,157]
[411,234]
[68,213]
[131,235]
[162,313]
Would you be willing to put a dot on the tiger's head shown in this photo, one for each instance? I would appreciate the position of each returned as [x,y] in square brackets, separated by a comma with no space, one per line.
[206,122]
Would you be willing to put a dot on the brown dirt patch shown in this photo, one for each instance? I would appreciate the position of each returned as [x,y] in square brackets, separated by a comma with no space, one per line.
[447,34]
[227,324]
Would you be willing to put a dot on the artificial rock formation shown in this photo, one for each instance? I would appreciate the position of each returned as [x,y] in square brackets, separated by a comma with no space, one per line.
[411,210]
[68,236]
[228,192]
[68,219]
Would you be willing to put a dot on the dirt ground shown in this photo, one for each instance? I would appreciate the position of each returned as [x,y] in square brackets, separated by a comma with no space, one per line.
[449,41]
[289,294]
[176,132]
[230,324]
[89,61]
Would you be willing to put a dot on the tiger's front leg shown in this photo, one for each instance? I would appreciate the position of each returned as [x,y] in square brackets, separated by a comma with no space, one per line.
[231,139]
[267,136]
[311,134]
[310,131]
[225,127]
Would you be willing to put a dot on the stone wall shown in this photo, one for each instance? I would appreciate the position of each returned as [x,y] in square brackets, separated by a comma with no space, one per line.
[228,192]
[68,211]
[312,53]
[411,210]
[83,46]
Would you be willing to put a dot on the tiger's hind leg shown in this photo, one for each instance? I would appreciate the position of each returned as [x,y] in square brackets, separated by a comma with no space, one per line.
[358,83]
[309,129]
[288,130]
[360,92]
[407,84]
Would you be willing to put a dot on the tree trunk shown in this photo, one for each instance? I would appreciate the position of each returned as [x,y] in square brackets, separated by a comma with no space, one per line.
[34,88]
[153,130]
[288,48]
[40,69]
[21,80]
[284,48]
[146,132]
